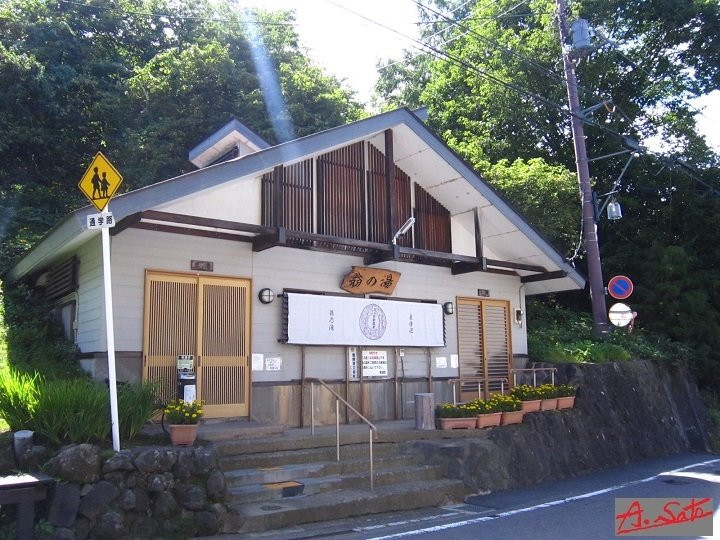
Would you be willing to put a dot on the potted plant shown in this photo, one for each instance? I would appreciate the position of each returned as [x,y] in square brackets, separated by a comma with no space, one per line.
[548,393]
[449,416]
[488,413]
[529,396]
[182,418]
[511,408]
[565,396]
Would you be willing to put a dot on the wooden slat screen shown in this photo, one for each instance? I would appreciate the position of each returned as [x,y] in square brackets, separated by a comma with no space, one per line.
[378,229]
[225,344]
[470,349]
[483,346]
[497,346]
[432,223]
[62,279]
[297,197]
[171,331]
[341,192]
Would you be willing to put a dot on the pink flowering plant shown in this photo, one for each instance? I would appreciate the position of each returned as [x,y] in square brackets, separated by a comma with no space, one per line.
[178,411]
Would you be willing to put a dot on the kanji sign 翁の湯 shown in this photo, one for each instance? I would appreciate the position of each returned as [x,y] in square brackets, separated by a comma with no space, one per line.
[100,181]
[362,280]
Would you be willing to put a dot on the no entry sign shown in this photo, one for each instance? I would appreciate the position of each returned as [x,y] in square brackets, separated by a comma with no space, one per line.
[620,287]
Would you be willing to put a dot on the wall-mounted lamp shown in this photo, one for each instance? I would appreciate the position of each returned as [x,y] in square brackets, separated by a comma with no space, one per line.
[448,308]
[519,316]
[266,295]
[405,228]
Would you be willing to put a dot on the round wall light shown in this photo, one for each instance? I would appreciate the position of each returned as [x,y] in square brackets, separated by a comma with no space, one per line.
[448,308]
[266,295]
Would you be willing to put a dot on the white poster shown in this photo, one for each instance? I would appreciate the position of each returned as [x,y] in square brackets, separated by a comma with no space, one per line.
[338,320]
[374,364]
[257,362]
[273,364]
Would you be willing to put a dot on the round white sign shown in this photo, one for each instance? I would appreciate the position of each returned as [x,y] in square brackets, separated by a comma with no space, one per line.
[620,314]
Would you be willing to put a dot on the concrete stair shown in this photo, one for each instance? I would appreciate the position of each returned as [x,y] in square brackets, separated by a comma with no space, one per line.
[280,482]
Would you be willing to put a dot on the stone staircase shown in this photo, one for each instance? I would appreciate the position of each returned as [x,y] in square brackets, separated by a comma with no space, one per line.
[279,482]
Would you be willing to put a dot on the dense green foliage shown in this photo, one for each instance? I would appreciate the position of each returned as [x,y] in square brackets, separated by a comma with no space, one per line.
[657,55]
[143,81]
[71,410]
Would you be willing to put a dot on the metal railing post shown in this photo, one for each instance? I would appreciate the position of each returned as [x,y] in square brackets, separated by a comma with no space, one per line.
[312,408]
[552,377]
[534,378]
[502,387]
[514,378]
[337,429]
[372,472]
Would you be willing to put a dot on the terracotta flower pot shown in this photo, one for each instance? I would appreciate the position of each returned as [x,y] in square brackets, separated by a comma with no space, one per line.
[549,404]
[531,406]
[456,423]
[567,402]
[183,434]
[512,417]
[488,420]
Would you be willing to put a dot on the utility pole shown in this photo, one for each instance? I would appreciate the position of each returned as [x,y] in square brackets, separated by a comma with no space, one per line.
[601,326]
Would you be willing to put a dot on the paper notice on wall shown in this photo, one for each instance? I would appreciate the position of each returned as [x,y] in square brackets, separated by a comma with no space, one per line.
[374,364]
[189,393]
[257,362]
[441,362]
[273,363]
[454,361]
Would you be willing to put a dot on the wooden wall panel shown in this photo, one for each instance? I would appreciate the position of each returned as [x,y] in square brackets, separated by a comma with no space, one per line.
[432,223]
[341,192]
[297,183]
[378,228]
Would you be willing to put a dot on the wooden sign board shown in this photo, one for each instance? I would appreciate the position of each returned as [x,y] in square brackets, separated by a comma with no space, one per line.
[363,280]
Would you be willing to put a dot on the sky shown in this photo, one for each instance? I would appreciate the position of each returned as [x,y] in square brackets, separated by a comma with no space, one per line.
[349,46]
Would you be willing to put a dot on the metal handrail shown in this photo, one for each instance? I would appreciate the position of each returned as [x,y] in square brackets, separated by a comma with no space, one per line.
[534,370]
[338,399]
[479,380]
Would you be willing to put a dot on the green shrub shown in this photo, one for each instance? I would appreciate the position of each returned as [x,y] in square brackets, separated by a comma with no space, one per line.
[607,352]
[547,391]
[565,390]
[504,403]
[18,398]
[525,392]
[74,411]
[448,410]
[136,404]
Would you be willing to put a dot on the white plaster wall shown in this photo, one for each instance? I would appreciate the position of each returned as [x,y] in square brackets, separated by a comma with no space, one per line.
[279,268]
[91,305]
[237,200]
[462,233]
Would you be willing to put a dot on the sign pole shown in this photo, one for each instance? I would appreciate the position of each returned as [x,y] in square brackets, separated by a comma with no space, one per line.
[112,381]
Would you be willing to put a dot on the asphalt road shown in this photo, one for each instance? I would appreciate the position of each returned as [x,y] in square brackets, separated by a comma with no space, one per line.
[577,508]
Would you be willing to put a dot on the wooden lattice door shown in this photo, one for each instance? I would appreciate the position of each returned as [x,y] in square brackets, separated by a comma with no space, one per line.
[208,317]
[484,347]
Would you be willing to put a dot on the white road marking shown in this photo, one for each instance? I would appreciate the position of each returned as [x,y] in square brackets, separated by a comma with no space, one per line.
[456,524]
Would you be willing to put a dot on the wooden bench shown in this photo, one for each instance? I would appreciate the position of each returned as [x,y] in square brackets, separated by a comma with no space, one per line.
[24,490]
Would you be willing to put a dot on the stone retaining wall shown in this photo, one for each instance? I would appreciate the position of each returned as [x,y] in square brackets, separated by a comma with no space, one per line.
[623,412]
[140,493]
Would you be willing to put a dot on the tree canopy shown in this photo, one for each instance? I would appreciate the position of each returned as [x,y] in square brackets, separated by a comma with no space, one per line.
[143,81]
[495,89]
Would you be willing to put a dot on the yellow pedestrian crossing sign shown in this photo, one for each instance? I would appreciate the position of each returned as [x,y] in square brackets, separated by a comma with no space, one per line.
[100,181]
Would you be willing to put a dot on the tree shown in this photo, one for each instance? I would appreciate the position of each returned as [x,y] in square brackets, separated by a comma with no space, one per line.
[141,80]
[496,94]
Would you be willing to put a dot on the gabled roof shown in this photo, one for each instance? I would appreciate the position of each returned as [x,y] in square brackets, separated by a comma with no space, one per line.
[418,151]
[234,133]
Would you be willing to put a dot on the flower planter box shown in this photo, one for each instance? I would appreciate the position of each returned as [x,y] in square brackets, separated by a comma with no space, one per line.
[549,404]
[456,423]
[488,420]
[531,406]
[513,417]
[567,402]
[183,434]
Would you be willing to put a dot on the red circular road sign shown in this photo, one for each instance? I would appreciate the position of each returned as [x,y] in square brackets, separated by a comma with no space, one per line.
[620,287]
